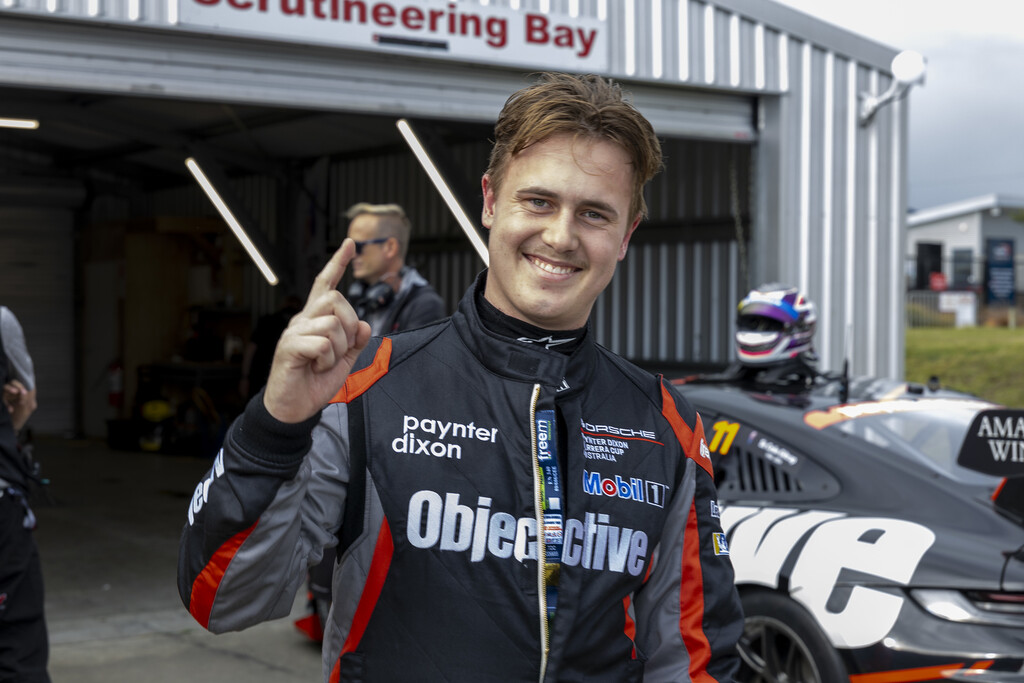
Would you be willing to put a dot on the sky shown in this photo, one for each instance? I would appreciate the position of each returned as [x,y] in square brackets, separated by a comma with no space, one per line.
[966,136]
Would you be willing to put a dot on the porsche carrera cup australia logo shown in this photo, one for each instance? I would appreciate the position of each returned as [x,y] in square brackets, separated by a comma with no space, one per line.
[995,443]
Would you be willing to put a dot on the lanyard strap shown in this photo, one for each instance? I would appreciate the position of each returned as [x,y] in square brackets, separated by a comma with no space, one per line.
[551,497]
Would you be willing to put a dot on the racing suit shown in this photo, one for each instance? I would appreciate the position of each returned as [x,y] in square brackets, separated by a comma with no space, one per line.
[424,469]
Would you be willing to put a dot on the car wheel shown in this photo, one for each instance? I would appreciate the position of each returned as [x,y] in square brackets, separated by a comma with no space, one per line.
[781,643]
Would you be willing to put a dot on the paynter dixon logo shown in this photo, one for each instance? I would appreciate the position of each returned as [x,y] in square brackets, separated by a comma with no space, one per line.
[439,435]
[634,488]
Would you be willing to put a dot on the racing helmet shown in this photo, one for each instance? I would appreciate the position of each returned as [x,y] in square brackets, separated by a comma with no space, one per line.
[775,322]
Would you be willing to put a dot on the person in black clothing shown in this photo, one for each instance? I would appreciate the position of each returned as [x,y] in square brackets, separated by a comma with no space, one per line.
[509,500]
[24,644]
[259,352]
[388,294]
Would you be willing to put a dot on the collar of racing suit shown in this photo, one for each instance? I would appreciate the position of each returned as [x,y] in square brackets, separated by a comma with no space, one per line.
[515,360]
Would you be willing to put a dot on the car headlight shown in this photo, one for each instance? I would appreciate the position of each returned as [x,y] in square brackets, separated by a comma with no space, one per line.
[973,607]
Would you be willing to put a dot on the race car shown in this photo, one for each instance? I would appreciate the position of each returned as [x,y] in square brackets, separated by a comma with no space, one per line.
[877,534]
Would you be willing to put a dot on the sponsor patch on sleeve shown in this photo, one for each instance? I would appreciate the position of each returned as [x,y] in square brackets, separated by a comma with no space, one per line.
[721,545]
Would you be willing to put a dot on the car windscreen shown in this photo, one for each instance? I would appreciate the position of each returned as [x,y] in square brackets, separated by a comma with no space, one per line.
[928,432]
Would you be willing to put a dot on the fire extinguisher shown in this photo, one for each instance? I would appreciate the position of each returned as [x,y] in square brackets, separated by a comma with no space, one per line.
[115,384]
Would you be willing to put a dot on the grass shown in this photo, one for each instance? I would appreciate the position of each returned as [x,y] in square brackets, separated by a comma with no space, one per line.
[985,361]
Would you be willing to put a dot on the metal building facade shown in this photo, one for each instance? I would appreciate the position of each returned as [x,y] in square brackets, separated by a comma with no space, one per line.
[760,101]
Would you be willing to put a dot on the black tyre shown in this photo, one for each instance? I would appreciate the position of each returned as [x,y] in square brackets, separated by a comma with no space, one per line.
[781,643]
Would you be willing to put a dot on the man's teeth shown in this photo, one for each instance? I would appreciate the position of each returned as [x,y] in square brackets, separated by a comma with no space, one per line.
[552,268]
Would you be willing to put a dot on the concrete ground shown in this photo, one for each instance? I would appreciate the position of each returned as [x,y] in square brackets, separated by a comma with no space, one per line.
[109,523]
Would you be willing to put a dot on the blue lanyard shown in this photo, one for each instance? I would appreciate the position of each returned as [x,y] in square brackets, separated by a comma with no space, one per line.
[551,497]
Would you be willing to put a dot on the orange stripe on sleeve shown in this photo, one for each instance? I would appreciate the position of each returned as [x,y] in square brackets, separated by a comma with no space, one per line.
[691,604]
[204,588]
[379,566]
[691,440]
[360,381]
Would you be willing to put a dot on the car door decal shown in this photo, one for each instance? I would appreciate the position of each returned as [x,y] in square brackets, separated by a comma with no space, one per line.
[762,540]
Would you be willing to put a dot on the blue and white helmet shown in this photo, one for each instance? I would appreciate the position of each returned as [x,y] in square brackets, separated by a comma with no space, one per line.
[775,323]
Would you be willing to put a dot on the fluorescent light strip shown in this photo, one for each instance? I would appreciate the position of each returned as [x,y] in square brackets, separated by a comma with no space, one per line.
[230,219]
[26,124]
[442,187]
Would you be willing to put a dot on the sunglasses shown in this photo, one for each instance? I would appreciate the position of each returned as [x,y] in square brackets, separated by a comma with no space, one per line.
[360,245]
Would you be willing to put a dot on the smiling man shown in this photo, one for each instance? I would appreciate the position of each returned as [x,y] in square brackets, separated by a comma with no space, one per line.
[509,500]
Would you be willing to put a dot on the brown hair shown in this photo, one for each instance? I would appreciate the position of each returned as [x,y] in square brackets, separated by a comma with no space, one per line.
[587,106]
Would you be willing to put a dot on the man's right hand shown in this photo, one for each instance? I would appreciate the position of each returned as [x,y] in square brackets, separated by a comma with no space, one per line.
[318,348]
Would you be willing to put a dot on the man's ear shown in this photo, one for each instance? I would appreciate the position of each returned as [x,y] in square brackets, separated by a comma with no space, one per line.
[629,233]
[391,247]
[487,215]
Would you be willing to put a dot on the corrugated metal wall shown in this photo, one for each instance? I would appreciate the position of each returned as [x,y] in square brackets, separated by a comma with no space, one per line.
[829,193]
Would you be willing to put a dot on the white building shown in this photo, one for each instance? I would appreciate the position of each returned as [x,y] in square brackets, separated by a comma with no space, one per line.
[955,240]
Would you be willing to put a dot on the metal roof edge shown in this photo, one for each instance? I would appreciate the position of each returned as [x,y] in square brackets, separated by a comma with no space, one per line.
[818,31]
[965,206]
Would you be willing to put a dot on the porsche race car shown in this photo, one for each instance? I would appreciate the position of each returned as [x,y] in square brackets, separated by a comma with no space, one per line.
[878,539]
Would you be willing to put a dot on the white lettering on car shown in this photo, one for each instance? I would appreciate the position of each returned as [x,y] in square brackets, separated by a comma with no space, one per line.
[763,539]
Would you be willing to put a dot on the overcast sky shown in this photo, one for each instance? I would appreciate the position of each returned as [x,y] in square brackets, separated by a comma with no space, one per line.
[967,121]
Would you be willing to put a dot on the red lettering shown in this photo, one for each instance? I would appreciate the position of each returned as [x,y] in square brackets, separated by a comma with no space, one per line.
[435,14]
[563,36]
[211,3]
[497,32]
[360,6]
[469,21]
[318,9]
[412,18]
[293,7]
[536,28]
[384,14]
[238,4]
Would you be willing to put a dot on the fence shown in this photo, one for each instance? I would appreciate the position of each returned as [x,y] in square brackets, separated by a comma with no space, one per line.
[926,308]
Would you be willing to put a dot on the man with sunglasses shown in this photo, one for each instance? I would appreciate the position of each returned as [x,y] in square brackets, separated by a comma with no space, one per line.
[510,501]
[388,294]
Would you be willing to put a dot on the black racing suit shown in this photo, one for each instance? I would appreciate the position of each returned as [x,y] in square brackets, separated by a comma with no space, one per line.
[424,469]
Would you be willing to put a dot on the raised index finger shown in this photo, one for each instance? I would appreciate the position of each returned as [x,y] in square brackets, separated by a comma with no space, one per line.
[330,276]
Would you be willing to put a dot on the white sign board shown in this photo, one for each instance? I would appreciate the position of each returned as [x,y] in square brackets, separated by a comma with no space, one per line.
[438,28]
[963,304]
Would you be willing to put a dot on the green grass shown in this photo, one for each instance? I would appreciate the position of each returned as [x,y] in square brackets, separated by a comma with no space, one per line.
[985,361]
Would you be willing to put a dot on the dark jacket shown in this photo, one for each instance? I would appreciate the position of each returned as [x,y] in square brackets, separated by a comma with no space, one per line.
[426,460]
[13,469]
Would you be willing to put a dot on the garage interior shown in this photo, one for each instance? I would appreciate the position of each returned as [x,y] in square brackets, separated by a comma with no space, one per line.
[131,289]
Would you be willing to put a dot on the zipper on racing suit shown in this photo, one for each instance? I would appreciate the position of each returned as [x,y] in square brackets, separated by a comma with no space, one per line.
[538,507]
